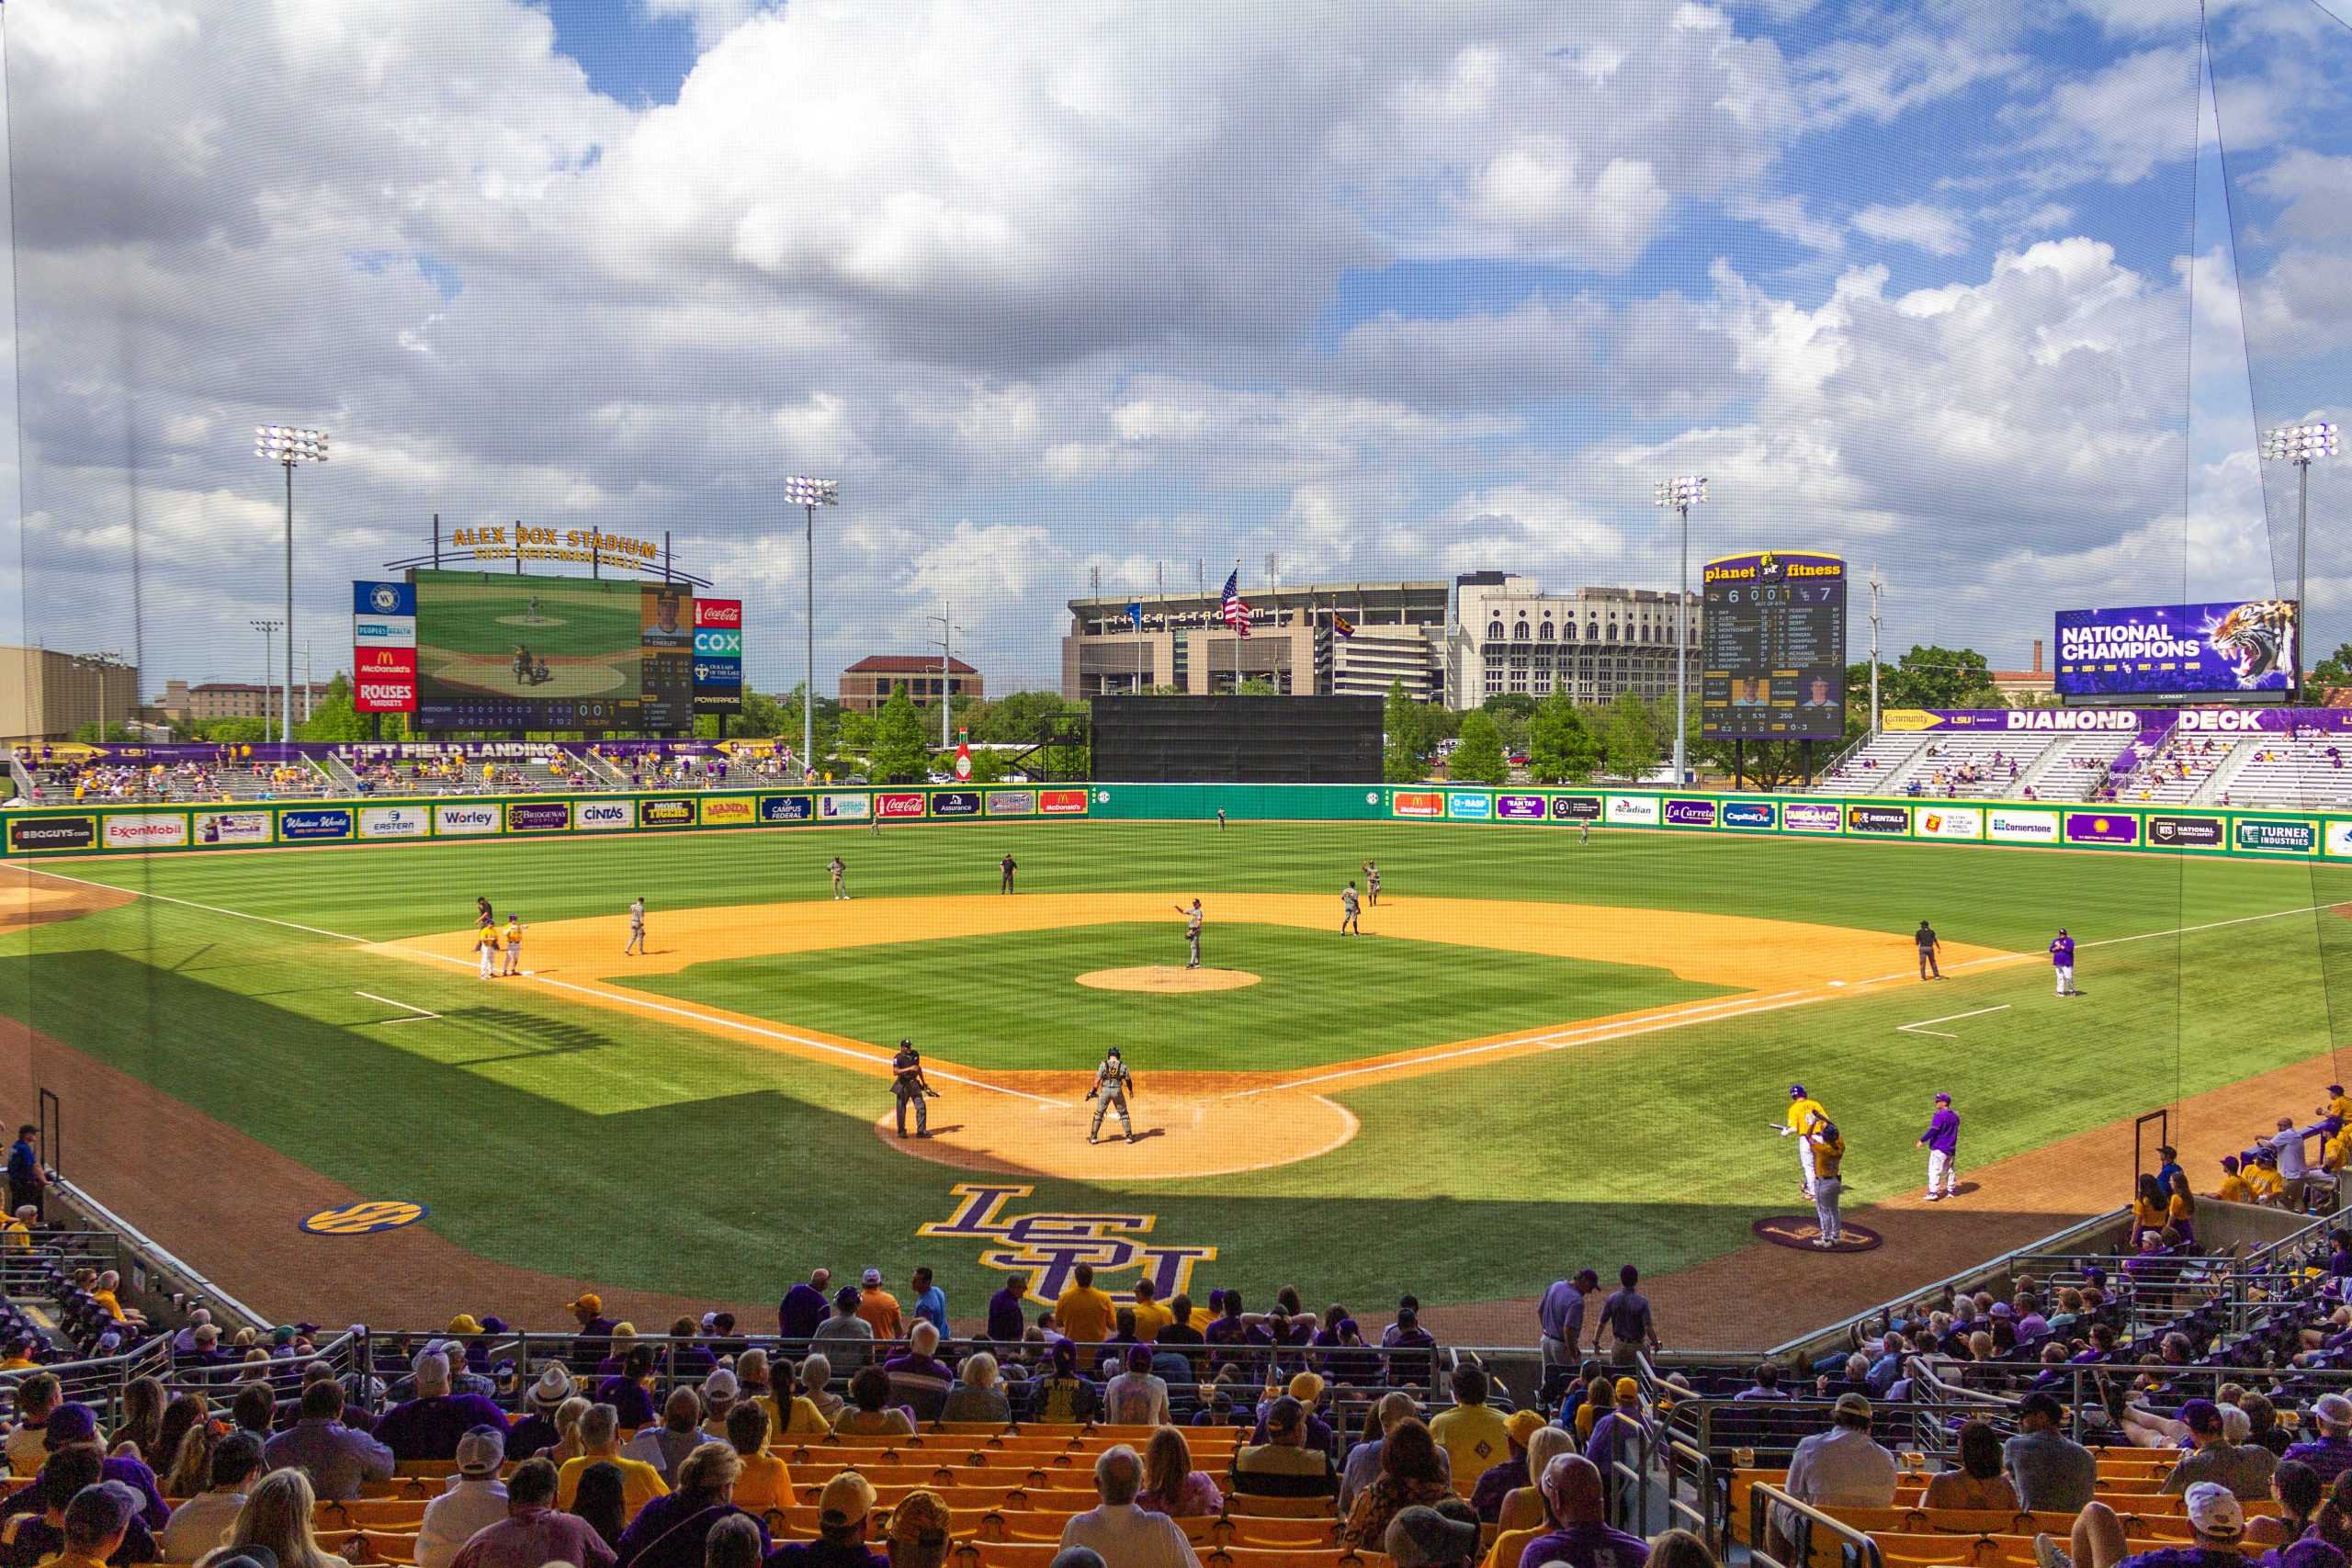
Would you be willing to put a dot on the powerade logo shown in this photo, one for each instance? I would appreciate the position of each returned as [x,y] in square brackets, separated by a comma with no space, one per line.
[53,833]
[1750,814]
[788,808]
[666,813]
[605,816]
[1519,807]
[1470,807]
[2276,834]
[1810,816]
[718,645]
[314,825]
[1878,819]
[2187,832]
[1691,813]
[955,803]
[1576,808]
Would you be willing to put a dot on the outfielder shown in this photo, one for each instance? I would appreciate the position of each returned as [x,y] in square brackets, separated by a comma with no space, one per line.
[1193,931]
[1347,926]
[1008,865]
[1805,1115]
[1114,1083]
[839,870]
[2062,959]
[636,927]
[907,1083]
[1372,884]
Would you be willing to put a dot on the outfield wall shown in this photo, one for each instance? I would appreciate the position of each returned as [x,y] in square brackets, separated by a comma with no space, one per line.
[2268,834]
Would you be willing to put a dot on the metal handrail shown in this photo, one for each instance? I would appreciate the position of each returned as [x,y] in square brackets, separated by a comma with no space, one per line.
[1856,1549]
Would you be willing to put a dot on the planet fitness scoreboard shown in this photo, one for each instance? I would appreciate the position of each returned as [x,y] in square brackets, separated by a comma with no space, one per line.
[1773,648]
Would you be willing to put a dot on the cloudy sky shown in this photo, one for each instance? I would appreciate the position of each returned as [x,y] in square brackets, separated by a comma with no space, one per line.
[1991,292]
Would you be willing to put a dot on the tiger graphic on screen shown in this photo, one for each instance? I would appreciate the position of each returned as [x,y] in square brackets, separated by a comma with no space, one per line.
[2259,639]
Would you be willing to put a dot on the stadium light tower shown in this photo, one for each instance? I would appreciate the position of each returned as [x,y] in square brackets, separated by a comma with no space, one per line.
[810,494]
[2301,445]
[289,445]
[1682,493]
[947,630]
[268,629]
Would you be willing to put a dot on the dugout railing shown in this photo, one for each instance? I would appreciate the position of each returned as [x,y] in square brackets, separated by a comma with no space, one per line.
[1782,1533]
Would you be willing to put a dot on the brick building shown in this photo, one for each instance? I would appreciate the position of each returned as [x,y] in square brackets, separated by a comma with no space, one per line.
[868,684]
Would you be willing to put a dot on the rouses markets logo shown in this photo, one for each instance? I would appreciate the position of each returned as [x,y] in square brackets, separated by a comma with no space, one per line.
[1691,813]
[665,813]
[2272,833]
[1750,814]
[788,808]
[52,833]
[1576,808]
[1878,819]
[2195,832]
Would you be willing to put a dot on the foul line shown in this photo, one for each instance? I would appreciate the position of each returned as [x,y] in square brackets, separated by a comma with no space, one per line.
[419,1013]
[1921,1027]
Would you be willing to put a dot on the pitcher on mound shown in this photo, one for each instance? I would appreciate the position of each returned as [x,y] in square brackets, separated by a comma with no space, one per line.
[1113,1084]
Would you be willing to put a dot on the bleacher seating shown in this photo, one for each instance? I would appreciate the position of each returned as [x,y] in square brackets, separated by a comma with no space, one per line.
[1968,766]
[2072,768]
[2297,770]
[1874,768]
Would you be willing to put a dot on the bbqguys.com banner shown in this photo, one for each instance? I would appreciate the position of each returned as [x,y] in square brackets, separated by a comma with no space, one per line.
[2242,645]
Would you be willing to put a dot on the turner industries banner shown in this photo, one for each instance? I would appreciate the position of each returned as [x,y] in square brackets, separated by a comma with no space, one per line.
[2242,645]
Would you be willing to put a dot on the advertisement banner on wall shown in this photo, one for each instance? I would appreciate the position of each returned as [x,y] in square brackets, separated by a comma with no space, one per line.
[719,655]
[1950,822]
[1519,807]
[310,827]
[898,804]
[1690,813]
[1631,811]
[1062,802]
[729,810]
[30,833]
[2338,843]
[1878,819]
[2008,826]
[667,812]
[383,680]
[2187,833]
[1812,817]
[383,646]
[604,816]
[1576,808]
[538,817]
[1417,803]
[844,807]
[955,803]
[2279,835]
[1012,803]
[464,819]
[1467,807]
[2101,827]
[394,822]
[156,831]
[234,828]
[1751,816]
[787,808]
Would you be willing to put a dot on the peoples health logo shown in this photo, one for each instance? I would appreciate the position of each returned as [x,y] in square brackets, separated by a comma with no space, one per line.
[1047,1248]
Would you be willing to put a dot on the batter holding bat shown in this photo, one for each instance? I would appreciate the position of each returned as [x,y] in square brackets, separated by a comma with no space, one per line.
[1806,1116]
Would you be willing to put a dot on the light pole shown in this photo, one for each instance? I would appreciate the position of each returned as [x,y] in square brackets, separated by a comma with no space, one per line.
[268,629]
[1682,493]
[810,494]
[289,445]
[2300,444]
[947,630]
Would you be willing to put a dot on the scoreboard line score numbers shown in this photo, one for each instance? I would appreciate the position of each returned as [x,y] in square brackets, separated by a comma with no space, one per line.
[1773,647]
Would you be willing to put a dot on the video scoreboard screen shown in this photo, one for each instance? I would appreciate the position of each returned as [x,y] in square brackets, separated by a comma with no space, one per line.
[1773,648]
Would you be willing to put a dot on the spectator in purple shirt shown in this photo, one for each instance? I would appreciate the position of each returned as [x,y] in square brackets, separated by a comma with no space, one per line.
[1767,1384]
[627,1391]
[1233,1328]
[429,1425]
[338,1460]
[1941,1140]
[73,1425]
[1578,1537]
[1559,1317]
[804,1307]
[1004,1311]
[2329,1454]
[1625,1317]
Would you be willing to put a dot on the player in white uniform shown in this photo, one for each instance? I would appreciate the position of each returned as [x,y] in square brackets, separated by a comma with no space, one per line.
[636,927]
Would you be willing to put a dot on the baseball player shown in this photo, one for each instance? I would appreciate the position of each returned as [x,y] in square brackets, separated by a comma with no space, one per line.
[1220,819]
[1941,1140]
[1372,884]
[1113,1084]
[482,916]
[513,944]
[1584,832]
[839,871]
[907,1083]
[1806,1113]
[1008,865]
[1828,1151]
[1928,942]
[874,820]
[2062,959]
[1193,931]
[636,927]
[486,943]
[1347,926]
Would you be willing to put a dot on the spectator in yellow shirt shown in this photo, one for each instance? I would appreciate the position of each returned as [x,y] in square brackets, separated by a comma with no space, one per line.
[1475,1437]
[16,1233]
[1084,1312]
[1150,1316]
[2233,1189]
[766,1483]
[2263,1176]
[880,1307]
[600,1432]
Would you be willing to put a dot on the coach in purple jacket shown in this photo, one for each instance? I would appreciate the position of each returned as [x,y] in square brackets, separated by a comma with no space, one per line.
[1941,1140]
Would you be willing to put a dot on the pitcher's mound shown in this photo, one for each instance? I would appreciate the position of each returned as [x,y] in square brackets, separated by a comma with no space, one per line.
[1167,978]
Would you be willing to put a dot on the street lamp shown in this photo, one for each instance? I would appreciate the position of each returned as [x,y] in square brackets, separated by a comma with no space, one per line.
[268,629]
[289,445]
[947,630]
[2300,444]
[1682,493]
[810,494]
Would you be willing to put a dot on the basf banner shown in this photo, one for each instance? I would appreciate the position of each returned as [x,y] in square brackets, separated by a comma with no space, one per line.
[2245,646]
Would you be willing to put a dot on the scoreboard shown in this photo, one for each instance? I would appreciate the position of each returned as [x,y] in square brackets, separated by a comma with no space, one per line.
[1773,648]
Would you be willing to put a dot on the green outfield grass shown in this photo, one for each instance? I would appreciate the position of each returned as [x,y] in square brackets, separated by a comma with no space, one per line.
[470,613]
[519,1112]
[1012,1000]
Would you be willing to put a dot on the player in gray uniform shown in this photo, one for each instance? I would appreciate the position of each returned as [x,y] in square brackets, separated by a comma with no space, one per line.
[1113,1084]
[636,927]
[1372,883]
[1347,926]
[1193,931]
[839,871]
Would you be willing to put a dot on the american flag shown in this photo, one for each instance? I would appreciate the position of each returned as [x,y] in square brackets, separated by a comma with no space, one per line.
[1237,613]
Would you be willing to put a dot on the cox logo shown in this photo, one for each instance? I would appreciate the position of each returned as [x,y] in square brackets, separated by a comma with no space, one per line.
[719,644]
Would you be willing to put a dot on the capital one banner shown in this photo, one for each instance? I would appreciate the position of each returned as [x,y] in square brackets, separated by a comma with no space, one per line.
[2246,645]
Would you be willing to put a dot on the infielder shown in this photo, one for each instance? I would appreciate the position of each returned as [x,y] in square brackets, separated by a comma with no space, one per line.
[1114,1083]
[1806,1113]
[1193,931]
[513,944]
[907,1083]
[1372,884]
[839,871]
[1220,819]
[636,927]
[1008,865]
[1347,926]
[2062,959]
[486,940]
[1941,1140]
[1927,941]
[1826,1150]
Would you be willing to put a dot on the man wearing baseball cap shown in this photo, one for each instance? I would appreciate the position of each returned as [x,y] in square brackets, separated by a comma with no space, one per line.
[2329,1453]
[1422,1537]
[1804,1111]
[1579,1532]
[2244,1468]
[1841,1468]
[843,1508]
[1941,1140]
[1499,1479]
[595,1329]
[474,1501]
[879,1306]
[2216,1523]
[2050,1470]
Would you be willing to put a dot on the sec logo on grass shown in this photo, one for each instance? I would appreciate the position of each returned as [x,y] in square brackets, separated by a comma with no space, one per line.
[365,1219]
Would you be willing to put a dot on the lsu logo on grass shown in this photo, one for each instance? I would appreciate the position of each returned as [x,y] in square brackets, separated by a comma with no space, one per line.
[1047,1248]
[364,1218]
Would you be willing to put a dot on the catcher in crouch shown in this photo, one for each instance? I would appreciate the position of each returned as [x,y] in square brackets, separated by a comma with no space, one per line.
[1113,1084]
